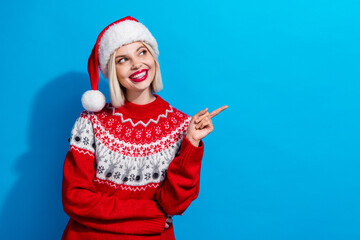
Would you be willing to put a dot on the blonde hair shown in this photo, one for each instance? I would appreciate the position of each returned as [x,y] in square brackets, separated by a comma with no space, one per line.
[117,91]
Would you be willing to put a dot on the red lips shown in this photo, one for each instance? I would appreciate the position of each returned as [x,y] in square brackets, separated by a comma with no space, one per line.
[139,79]
[137,72]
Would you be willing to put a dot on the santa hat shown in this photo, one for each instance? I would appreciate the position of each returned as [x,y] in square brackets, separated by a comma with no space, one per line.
[115,35]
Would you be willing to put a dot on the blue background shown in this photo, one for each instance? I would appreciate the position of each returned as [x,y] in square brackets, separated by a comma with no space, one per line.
[283,159]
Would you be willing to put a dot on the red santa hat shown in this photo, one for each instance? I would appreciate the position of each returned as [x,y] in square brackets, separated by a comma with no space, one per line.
[115,35]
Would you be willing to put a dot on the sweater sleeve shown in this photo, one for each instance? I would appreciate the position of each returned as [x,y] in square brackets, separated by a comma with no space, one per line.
[83,203]
[182,183]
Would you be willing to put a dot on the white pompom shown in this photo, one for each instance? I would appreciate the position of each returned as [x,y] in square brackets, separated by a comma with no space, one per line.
[93,100]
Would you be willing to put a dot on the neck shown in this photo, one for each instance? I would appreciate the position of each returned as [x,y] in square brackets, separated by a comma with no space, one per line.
[140,97]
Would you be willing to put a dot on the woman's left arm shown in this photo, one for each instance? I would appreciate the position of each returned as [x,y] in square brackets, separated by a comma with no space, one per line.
[182,182]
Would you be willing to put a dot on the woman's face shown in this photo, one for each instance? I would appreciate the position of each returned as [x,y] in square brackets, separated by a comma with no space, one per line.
[135,66]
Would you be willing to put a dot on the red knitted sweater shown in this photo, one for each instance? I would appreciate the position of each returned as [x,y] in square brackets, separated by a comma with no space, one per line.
[127,169]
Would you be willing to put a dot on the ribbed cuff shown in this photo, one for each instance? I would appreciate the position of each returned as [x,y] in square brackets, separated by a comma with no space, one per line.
[155,226]
[192,155]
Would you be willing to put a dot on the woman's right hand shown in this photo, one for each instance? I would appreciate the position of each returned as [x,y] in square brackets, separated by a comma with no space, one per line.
[201,125]
[168,221]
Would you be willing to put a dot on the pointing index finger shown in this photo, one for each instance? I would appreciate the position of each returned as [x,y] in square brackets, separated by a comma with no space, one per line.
[217,111]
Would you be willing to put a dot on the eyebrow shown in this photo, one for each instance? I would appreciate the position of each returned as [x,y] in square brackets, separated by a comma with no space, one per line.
[124,55]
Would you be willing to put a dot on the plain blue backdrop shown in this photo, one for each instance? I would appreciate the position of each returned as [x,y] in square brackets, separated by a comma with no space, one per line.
[283,159]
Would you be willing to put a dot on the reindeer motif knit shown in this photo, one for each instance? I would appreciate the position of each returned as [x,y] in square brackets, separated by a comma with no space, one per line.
[127,169]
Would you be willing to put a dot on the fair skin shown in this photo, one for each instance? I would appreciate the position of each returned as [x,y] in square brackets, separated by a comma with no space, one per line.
[135,57]
[129,59]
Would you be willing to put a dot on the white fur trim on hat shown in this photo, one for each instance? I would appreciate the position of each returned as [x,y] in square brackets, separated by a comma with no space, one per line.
[120,34]
[93,100]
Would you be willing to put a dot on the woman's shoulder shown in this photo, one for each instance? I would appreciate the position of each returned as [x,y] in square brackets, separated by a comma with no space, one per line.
[175,114]
[89,114]
[175,110]
[178,112]
[84,114]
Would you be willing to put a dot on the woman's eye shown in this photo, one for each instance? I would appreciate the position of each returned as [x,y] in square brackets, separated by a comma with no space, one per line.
[143,52]
[121,60]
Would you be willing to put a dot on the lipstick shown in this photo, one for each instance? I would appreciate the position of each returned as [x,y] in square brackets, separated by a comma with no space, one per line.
[139,76]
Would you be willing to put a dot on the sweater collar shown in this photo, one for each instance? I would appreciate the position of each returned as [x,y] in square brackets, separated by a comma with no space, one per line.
[143,111]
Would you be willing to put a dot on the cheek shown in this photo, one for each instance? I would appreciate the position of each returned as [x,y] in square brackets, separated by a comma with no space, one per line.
[152,67]
[150,62]
[121,72]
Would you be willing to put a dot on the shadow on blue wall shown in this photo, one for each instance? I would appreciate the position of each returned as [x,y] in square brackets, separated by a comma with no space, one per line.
[33,208]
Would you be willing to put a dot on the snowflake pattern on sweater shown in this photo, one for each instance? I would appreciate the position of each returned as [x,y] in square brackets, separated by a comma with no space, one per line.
[130,153]
[127,169]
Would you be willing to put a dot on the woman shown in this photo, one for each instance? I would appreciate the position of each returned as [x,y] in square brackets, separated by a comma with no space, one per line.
[134,162]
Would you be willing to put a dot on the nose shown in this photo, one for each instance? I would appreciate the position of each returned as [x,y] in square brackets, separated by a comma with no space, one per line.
[136,64]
